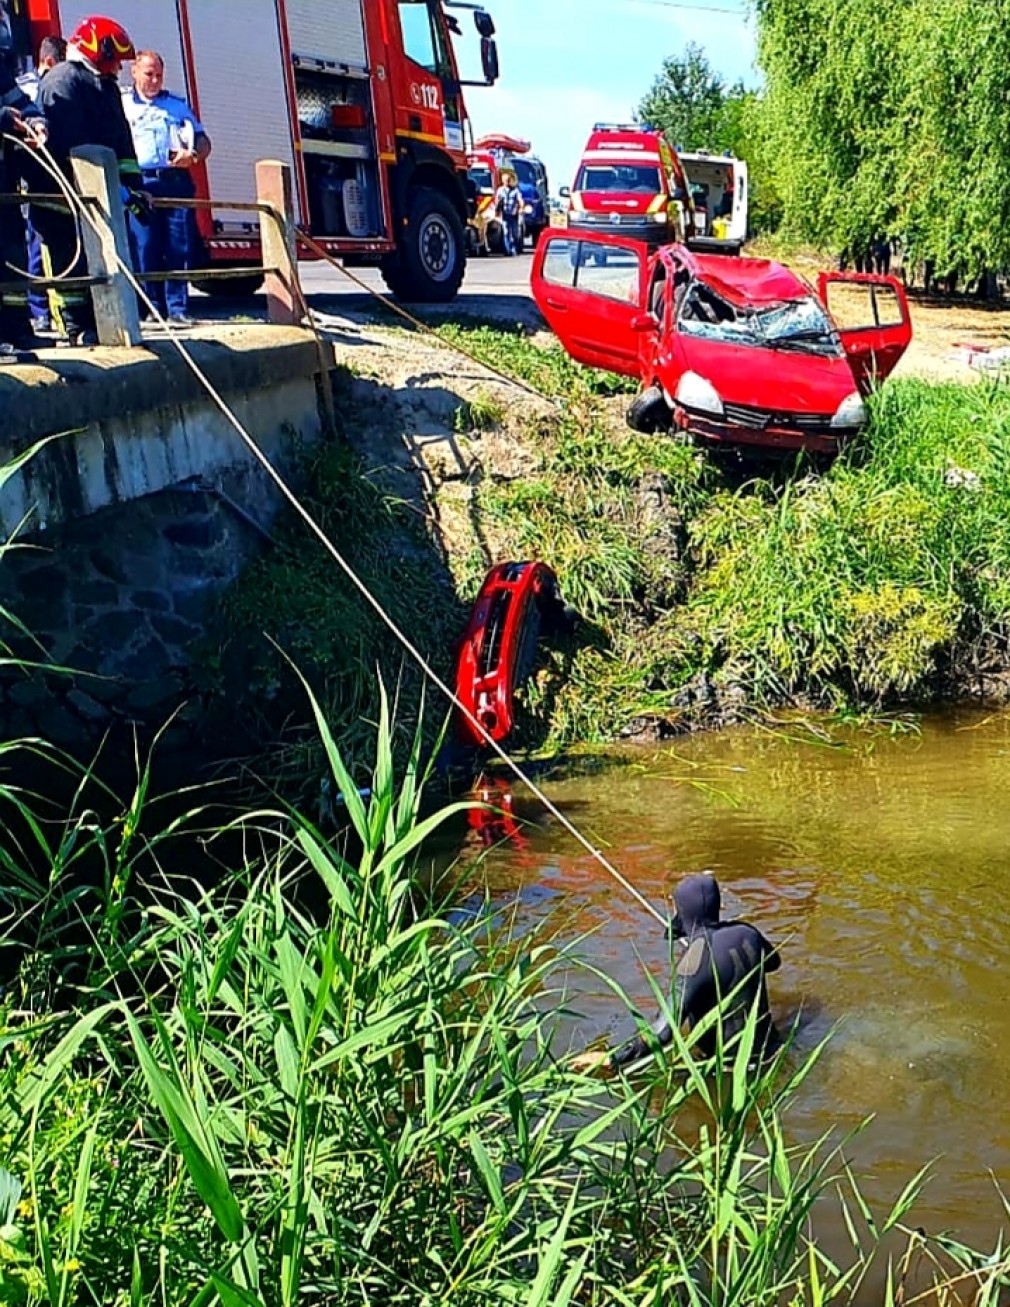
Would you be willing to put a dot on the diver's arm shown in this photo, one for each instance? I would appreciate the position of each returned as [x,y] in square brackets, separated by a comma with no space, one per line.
[642,1045]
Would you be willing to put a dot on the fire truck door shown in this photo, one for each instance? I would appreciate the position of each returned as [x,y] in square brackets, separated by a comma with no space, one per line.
[332,30]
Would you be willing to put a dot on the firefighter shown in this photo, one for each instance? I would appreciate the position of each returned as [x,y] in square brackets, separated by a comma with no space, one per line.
[83,106]
[19,119]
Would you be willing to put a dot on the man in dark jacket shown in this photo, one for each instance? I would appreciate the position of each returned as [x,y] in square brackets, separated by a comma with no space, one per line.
[21,120]
[83,106]
[724,965]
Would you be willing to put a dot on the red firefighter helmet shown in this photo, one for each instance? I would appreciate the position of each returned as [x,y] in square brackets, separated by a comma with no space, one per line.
[103,42]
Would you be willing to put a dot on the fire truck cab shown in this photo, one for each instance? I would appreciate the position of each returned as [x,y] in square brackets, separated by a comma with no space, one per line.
[629,182]
[363,98]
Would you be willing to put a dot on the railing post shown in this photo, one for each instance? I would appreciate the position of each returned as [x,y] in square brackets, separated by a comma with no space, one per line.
[273,187]
[96,174]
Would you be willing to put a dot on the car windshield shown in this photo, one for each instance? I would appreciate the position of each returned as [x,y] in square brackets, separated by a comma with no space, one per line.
[799,325]
[619,177]
[525,172]
[481,178]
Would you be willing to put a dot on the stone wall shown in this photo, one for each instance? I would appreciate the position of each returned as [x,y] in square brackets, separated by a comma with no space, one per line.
[120,600]
[138,507]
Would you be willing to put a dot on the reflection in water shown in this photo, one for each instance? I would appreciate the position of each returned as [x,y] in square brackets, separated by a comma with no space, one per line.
[880,870]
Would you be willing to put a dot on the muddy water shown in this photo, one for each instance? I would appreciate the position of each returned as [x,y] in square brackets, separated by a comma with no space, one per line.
[882,868]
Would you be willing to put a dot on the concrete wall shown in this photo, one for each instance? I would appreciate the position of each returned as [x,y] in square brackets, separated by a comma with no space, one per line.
[129,535]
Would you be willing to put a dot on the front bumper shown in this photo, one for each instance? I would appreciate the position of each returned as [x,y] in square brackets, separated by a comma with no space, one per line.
[811,432]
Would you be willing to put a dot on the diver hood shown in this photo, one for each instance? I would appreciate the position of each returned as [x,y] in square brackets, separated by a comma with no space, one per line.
[697,901]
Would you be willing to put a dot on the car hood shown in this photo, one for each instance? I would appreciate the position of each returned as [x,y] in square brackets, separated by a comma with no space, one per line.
[780,380]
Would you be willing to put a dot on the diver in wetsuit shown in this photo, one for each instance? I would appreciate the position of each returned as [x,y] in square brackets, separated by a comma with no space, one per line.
[724,960]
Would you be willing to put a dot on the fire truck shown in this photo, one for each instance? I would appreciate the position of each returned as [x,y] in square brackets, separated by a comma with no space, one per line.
[363,98]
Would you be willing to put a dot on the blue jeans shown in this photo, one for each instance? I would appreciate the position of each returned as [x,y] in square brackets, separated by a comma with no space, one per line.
[38,300]
[164,242]
[511,233]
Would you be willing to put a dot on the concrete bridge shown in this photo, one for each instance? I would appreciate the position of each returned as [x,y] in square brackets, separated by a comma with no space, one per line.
[138,506]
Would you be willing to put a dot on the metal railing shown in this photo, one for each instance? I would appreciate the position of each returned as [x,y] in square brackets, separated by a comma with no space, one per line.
[103,240]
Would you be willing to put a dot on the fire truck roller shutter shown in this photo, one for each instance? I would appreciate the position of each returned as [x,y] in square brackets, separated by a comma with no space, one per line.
[152,24]
[328,29]
[243,99]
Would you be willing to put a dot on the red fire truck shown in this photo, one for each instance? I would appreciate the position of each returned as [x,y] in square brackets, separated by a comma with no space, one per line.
[362,97]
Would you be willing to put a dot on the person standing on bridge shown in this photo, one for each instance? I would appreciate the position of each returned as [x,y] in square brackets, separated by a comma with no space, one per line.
[20,120]
[83,106]
[724,967]
[170,141]
[52,51]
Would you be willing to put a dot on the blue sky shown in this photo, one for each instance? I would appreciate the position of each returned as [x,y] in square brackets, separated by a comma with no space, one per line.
[566,64]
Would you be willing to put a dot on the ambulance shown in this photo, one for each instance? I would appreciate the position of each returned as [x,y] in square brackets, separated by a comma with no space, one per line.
[629,182]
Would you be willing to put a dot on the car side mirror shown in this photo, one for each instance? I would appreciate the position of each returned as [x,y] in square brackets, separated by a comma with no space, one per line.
[483,22]
[565,192]
[644,323]
[489,59]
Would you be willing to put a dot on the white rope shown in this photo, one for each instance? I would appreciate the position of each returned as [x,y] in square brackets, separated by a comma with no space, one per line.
[36,149]
[316,530]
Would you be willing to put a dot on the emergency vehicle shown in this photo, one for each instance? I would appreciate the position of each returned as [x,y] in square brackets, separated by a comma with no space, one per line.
[363,98]
[484,170]
[629,181]
[718,185]
[512,153]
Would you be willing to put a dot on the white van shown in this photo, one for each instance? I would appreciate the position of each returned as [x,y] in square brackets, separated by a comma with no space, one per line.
[718,185]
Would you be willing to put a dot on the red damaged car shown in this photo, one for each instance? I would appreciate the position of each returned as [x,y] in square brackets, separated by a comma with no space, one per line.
[732,350]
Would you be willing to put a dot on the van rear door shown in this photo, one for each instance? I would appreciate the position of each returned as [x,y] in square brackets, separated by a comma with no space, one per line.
[591,289]
[871,314]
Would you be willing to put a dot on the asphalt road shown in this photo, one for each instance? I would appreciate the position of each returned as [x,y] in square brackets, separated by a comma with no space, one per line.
[495,287]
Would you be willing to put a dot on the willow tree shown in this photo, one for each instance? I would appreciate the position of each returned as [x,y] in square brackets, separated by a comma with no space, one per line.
[891,119]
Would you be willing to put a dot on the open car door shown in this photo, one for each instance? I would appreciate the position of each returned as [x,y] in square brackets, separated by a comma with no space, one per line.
[591,290]
[871,314]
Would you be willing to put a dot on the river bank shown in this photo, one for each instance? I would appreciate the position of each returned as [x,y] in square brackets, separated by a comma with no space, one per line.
[710,590]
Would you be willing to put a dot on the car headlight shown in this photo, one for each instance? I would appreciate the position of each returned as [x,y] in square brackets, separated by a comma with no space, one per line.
[528,208]
[851,412]
[659,217]
[696,393]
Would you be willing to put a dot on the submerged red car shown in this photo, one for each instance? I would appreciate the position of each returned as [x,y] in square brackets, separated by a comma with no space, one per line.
[733,350]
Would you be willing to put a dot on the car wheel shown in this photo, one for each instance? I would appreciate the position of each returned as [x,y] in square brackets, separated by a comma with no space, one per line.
[649,412]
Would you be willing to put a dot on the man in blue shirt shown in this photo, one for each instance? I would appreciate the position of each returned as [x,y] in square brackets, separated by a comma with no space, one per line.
[169,141]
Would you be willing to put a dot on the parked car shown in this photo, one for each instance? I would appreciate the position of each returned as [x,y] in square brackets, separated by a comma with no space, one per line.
[732,350]
[532,176]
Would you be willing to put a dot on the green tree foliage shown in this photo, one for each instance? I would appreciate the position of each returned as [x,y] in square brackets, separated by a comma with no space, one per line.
[692,103]
[699,111]
[892,119]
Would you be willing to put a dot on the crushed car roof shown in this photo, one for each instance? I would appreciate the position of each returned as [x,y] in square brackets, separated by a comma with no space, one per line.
[749,282]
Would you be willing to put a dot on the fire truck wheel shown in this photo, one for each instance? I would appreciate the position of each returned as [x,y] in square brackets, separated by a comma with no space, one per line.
[428,267]
[230,287]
